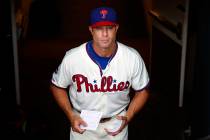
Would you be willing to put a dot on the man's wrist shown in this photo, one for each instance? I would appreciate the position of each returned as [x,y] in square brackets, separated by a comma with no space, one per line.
[71,115]
[128,117]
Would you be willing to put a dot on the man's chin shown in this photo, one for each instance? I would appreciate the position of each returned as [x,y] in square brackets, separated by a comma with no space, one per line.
[105,45]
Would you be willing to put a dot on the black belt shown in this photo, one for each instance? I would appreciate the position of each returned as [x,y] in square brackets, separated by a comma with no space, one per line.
[103,120]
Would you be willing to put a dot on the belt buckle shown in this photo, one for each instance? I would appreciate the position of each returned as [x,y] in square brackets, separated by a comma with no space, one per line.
[103,120]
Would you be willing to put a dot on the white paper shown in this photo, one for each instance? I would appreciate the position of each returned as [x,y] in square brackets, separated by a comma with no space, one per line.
[92,118]
[114,125]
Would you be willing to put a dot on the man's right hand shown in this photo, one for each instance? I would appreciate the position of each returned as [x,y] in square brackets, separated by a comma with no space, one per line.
[76,122]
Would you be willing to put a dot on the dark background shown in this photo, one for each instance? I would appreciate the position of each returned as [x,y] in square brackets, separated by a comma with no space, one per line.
[56,26]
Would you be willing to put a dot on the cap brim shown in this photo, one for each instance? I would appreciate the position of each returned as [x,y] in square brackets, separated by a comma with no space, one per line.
[103,23]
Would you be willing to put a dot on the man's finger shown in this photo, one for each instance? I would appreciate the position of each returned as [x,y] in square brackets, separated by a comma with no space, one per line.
[121,117]
[83,123]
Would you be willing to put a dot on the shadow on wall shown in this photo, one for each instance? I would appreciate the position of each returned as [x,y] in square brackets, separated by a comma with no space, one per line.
[44,19]
[51,18]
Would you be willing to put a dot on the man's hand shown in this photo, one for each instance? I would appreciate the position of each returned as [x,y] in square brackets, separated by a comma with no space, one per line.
[76,122]
[123,125]
[61,97]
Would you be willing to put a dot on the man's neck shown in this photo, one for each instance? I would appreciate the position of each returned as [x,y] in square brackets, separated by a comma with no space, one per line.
[105,52]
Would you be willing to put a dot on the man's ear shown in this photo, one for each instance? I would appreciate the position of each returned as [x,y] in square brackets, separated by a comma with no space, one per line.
[90,29]
[117,26]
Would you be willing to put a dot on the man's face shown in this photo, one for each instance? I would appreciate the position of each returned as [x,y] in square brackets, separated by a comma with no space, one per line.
[104,36]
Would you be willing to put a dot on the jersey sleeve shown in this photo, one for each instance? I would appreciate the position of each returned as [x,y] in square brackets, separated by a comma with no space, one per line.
[140,77]
[61,77]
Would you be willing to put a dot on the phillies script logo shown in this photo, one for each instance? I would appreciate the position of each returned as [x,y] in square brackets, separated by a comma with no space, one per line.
[107,84]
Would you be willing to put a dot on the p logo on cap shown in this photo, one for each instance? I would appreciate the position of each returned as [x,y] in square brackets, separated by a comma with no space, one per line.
[103,16]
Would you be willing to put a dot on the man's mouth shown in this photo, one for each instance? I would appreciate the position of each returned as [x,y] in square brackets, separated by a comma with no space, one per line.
[104,41]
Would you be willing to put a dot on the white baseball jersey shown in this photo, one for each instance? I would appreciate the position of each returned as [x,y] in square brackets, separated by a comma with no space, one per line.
[107,90]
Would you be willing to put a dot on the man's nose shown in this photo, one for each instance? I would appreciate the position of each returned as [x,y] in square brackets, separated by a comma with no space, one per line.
[104,31]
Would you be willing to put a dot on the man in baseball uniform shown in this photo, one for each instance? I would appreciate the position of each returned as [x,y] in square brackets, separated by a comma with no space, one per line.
[98,76]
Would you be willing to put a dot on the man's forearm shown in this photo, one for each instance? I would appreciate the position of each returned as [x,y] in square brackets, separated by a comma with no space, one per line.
[137,103]
[61,97]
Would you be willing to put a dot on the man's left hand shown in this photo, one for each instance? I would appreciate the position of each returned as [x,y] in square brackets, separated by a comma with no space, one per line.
[123,125]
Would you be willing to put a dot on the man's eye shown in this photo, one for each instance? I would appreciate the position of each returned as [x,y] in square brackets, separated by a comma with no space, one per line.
[97,28]
[109,27]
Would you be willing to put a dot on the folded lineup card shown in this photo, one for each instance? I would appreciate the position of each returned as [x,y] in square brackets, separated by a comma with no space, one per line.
[92,118]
